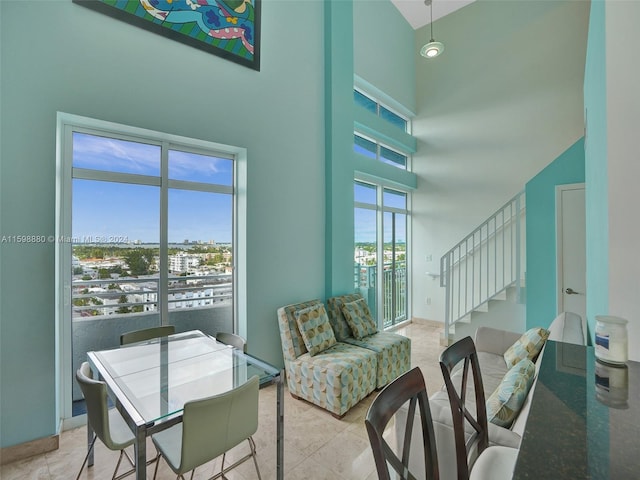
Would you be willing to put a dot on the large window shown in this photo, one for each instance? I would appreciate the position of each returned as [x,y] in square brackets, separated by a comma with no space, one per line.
[380,256]
[381,213]
[146,235]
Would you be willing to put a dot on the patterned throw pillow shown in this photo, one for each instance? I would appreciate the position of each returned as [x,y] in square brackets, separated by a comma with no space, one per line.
[504,404]
[315,328]
[527,346]
[359,318]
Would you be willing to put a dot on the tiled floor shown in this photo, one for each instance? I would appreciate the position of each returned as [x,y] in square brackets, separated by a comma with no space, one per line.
[317,445]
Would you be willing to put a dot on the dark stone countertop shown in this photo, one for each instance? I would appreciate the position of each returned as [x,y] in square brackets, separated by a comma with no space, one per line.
[584,421]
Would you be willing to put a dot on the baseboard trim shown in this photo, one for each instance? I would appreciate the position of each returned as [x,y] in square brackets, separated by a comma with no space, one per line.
[29,449]
[430,323]
[397,326]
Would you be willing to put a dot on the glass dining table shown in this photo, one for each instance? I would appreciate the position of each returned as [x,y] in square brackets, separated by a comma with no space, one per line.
[149,383]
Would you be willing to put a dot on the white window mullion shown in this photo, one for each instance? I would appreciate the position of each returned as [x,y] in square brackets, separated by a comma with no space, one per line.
[63,258]
[103,176]
[380,257]
[199,187]
[163,274]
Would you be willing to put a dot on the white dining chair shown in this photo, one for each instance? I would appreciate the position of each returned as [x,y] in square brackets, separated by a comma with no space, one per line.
[210,427]
[146,334]
[236,341]
[107,424]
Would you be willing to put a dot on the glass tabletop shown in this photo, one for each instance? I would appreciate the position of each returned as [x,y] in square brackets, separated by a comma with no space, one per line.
[159,376]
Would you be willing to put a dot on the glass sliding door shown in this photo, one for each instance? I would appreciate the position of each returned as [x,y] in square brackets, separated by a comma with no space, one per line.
[395,257]
[145,237]
[115,238]
[366,244]
[199,257]
[381,251]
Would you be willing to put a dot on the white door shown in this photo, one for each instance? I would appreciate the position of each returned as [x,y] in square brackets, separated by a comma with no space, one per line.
[571,249]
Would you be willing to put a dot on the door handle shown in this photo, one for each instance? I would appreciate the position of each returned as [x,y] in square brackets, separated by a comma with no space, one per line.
[571,291]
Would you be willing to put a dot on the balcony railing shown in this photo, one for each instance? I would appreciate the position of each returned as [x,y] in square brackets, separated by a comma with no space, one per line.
[365,283]
[195,303]
[135,295]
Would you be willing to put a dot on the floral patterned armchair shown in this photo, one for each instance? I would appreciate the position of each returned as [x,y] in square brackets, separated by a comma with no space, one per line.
[335,378]
[393,351]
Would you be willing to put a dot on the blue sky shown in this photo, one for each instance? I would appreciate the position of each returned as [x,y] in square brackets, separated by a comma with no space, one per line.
[116,210]
[111,210]
[365,219]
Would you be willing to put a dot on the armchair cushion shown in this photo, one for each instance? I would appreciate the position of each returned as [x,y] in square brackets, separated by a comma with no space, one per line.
[358,317]
[335,379]
[315,328]
[393,352]
[527,346]
[292,342]
[505,402]
[494,340]
[340,326]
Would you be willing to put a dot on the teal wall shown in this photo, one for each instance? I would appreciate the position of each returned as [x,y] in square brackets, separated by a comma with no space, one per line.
[389,76]
[597,195]
[59,56]
[339,108]
[384,55]
[352,32]
[299,192]
[541,232]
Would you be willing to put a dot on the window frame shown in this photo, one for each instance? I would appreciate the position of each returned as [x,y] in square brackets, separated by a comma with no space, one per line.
[67,124]
[378,156]
[380,208]
[379,104]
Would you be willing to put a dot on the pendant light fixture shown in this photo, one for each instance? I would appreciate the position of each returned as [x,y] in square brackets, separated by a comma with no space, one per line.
[433,48]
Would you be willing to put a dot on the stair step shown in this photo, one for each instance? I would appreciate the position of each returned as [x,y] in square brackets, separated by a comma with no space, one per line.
[483,307]
[500,296]
[515,283]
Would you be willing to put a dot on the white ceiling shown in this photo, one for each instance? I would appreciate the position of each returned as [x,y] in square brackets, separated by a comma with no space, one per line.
[417,13]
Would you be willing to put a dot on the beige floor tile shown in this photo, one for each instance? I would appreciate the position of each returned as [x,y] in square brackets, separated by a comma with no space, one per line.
[310,469]
[318,446]
[348,455]
[34,468]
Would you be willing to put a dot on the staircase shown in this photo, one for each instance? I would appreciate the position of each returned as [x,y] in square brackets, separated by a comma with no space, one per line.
[483,274]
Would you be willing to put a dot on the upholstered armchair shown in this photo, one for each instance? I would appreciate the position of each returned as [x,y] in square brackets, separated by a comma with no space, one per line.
[335,378]
[393,351]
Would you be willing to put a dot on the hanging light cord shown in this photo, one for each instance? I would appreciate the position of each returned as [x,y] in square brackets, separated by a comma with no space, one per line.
[431,22]
[433,48]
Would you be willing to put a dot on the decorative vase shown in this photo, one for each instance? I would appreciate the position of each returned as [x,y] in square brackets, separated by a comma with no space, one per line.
[611,339]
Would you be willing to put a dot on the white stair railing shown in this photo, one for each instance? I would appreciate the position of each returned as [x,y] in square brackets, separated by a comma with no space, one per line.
[485,263]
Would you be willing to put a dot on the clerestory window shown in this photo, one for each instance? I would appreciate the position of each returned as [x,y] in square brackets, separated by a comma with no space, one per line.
[377,108]
[377,151]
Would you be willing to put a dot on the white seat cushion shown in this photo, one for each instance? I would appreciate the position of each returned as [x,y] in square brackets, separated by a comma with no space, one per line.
[493,369]
[495,463]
